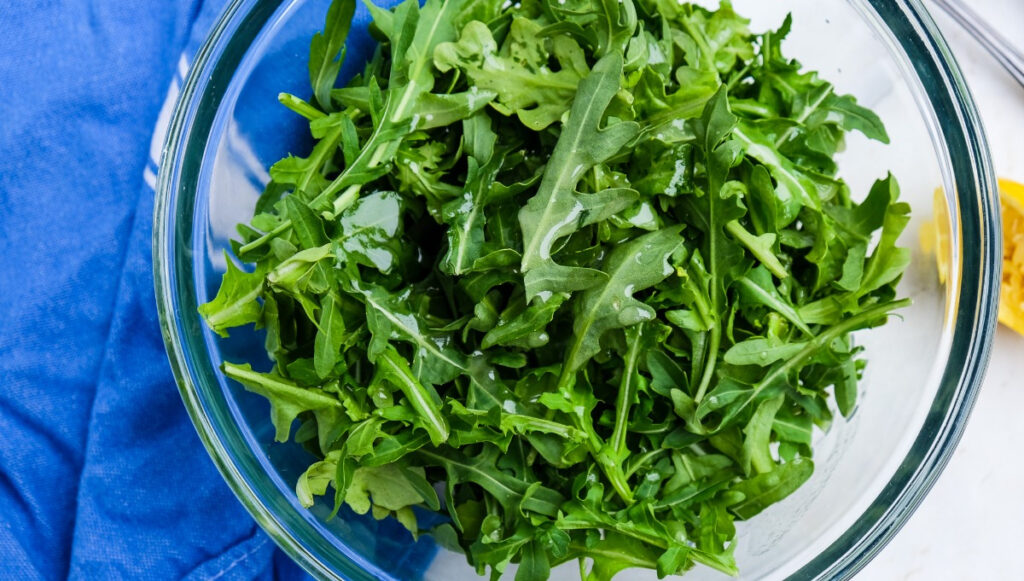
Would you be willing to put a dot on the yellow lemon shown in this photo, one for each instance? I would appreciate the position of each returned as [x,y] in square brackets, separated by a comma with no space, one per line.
[1011,293]
[935,240]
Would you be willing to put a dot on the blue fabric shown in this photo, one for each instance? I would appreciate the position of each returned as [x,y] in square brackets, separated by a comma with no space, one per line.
[101,474]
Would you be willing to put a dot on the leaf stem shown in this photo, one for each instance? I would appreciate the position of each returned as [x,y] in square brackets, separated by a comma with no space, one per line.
[626,395]
[715,342]
[624,402]
[300,106]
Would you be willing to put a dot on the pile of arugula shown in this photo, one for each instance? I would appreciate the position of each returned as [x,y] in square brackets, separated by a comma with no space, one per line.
[584,267]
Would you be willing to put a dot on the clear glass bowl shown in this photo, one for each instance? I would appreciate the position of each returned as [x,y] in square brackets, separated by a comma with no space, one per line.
[924,370]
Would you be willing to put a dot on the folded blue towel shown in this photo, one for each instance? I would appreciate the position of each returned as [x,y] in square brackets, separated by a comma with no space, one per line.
[101,473]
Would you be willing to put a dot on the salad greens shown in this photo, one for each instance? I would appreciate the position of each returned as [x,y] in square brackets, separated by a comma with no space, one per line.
[580,275]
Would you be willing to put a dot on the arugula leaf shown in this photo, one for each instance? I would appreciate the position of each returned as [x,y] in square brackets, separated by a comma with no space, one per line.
[507,489]
[423,399]
[370,231]
[466,214]
[389,489]
[714,40]
[633,267]
[756,453]
[524,84]
[236,301]
[721,253]
[315,480]
[287,400]
[329,338]
[327,51]
[523,324]
[557,210]
[761,351]
[766,489]
[435,358]
[605,26]
[887,262]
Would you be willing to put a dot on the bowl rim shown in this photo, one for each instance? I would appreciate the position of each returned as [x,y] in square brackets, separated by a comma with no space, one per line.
[926,51]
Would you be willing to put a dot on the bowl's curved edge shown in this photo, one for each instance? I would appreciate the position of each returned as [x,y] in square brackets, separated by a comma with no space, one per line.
[976,310]
[167,189]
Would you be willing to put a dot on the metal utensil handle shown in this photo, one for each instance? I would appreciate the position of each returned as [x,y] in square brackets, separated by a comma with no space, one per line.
[994,42]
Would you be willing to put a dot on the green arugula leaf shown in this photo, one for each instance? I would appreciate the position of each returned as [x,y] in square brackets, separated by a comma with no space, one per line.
[761,351]
[631,268]
[329,338]
[236,301]
[766,489]
[287,400]
[557,210]
[423,398]
[315,480]
[507,489]
[524,84]
[388,489]
[327,51]
[435,358]
[756,453]
[466,214]
[722,254]
[370,231]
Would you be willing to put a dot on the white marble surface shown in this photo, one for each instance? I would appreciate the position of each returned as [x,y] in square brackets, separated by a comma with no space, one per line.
[971,525]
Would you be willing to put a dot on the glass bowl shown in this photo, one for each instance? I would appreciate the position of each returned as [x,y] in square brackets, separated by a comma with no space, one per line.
[924,368]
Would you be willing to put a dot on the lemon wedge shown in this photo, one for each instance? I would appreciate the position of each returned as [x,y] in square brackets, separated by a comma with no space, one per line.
[1011,293]
[935,240]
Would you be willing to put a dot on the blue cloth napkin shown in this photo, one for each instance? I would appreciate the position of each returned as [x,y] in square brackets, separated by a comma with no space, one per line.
[101,473]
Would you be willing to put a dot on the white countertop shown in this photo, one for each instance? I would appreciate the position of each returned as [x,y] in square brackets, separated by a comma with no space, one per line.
[971,525]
